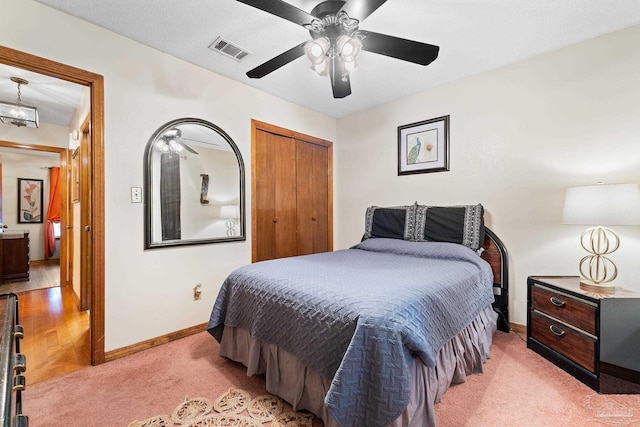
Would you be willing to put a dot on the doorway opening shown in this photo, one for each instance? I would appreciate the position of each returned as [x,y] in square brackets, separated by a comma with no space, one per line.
[91,222]
[38,265]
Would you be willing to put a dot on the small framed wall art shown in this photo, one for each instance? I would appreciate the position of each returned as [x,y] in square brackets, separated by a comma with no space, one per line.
[29,201]
[424,146]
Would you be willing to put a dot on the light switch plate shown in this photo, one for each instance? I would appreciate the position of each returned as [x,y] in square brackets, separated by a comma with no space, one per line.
[136,195]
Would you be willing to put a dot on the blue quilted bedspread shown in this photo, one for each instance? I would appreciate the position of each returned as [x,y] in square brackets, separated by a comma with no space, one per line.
[360,315]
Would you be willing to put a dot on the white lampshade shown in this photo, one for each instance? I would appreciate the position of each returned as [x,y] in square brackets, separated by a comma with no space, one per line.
[348,48]
[602,204]
[317,49]
[229,211]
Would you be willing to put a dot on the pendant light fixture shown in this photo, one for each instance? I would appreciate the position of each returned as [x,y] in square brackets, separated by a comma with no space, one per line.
[17,113]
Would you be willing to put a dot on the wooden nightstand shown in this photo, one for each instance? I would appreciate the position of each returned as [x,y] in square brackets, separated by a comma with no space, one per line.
[594,337]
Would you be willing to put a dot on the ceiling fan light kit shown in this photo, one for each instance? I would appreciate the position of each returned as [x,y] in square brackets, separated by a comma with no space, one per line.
[336,40]
[171,142]
[317,51]
[17,113]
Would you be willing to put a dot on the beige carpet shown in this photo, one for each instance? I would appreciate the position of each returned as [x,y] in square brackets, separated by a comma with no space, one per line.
[520,388]
[517,388]
[234,408]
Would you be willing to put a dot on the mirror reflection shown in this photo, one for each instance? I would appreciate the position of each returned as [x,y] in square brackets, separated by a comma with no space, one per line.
[194,186]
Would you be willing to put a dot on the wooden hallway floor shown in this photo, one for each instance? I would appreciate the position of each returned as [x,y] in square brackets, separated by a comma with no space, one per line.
[56,340]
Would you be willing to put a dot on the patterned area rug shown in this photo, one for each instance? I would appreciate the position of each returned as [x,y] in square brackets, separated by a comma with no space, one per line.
[234,408]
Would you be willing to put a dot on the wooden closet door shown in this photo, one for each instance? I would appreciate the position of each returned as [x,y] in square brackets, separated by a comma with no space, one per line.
[312,205]
[292,192]
[275,196]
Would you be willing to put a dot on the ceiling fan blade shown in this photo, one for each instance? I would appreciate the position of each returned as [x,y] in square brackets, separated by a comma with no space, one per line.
[281,9]
[360,9]
[395,47]
[187,147]
[341,85]
[341,88]
[277,62]
[201,142]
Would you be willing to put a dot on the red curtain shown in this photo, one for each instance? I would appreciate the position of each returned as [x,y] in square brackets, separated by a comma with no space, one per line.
[53,212]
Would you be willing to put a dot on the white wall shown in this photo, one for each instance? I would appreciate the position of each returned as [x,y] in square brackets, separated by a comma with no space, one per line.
[47,134]
[149,293]
[519,137]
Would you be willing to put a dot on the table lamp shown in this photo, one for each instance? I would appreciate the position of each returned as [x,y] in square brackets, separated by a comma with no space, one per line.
[230,213]
[599,206]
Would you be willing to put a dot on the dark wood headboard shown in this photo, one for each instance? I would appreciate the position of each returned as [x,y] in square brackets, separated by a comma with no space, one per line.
[496,255]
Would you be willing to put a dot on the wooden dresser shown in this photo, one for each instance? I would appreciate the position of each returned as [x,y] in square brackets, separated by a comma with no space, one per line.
[14,253]
[594,337]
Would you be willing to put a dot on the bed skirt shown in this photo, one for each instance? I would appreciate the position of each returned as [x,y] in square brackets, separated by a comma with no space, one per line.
[305,388]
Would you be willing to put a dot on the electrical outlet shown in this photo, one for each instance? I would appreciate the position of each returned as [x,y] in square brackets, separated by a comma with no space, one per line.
[197,292]
[136,195]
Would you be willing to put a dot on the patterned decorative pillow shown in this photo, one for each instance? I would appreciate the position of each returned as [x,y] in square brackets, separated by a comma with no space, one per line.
[456,224]
[397,222]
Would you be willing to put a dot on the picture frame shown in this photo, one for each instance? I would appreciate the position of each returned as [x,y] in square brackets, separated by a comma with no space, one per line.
[423,147]
[75,175]
[30,208]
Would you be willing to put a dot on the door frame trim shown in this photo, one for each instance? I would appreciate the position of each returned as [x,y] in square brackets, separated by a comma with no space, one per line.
[95,82]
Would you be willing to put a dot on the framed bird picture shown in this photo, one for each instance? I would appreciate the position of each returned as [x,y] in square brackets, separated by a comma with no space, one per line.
[424,146]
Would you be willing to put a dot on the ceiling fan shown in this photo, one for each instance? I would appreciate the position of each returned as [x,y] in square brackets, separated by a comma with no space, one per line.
[337,40]
[173,142]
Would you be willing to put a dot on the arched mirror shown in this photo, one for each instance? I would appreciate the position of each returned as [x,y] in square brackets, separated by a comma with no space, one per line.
[193,186]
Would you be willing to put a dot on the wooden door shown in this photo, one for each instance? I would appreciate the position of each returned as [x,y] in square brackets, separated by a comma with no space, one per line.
[275,196]
[73,164]
[86,236]
[1,225]
[291,193]
[312,198]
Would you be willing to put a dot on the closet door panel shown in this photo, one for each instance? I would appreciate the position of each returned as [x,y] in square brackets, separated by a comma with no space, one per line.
[304,159]
[264,196]
[285,196]
[312,181]
[320,168]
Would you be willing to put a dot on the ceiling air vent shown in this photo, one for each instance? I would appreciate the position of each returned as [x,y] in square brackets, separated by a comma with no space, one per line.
[228,49]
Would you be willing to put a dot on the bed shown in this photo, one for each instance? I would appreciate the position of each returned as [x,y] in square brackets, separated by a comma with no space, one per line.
[372,335]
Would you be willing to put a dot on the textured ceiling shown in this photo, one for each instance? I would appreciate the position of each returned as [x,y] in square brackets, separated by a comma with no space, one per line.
[473,35]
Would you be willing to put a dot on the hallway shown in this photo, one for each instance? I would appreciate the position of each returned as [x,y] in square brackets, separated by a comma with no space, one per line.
[42,274]
[56,340]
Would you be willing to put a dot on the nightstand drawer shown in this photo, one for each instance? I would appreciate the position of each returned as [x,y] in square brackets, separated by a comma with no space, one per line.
[564,308]
[564,340]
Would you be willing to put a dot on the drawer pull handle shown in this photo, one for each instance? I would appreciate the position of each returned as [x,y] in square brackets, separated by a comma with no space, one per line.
[557,302]
[556,331]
